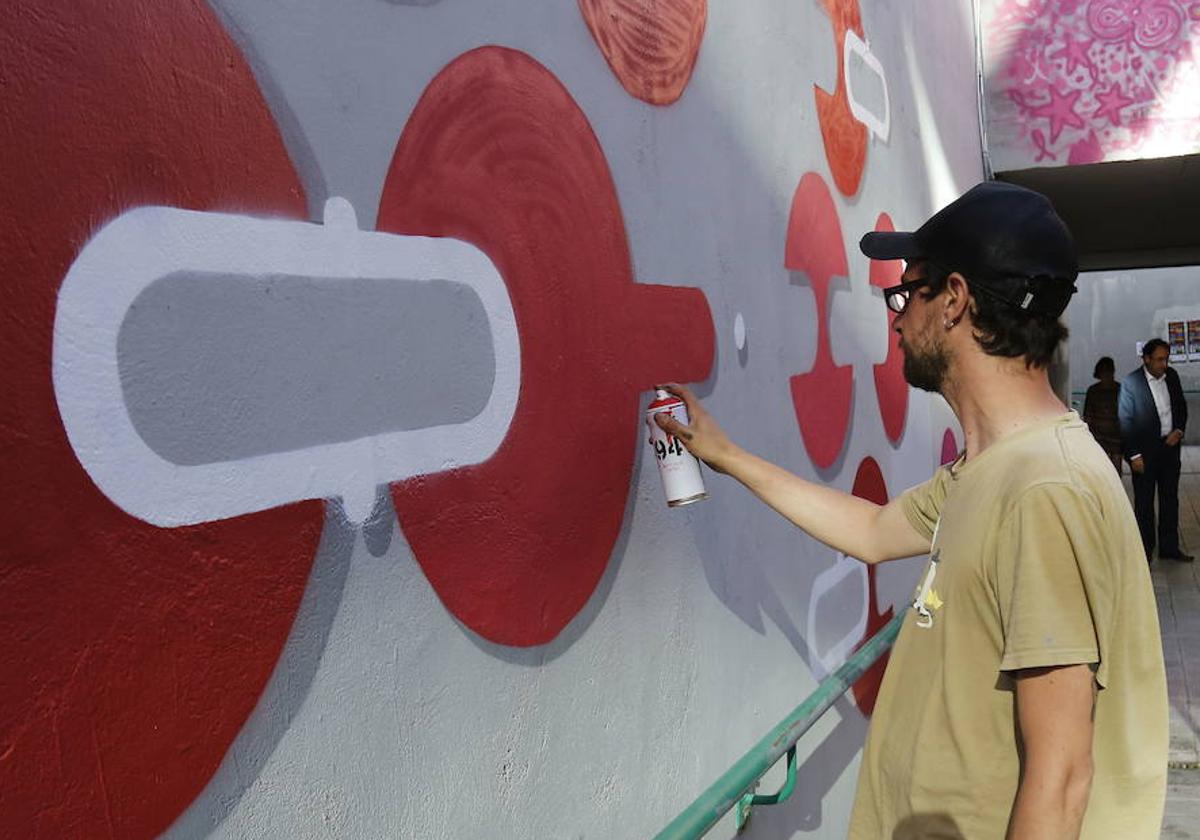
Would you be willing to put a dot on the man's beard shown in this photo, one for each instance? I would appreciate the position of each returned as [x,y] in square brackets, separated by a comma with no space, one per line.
[926,368]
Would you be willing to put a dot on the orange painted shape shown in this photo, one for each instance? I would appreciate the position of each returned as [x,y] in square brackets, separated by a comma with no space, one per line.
[845,138]
[651,45]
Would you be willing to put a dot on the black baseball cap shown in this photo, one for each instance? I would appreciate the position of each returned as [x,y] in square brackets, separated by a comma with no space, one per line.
[991,232]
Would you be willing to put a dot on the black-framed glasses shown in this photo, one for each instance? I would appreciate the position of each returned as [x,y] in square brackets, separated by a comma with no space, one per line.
[1052,294]
[897,297]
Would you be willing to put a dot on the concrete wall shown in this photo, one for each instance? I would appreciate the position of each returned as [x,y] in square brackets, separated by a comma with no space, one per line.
[328,329]
[1114,311]
[1071,82]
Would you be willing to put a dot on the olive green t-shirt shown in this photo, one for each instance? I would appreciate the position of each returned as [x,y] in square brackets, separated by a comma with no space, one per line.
[1036,562]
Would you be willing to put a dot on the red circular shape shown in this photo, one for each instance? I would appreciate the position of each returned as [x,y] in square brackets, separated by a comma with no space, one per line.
[949,452]
[132,654]
[651,45]
[821,397]
[498,154]
[891,389]
[870,485]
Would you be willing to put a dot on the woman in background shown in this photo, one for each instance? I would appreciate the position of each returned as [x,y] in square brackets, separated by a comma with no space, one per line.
[1100,410]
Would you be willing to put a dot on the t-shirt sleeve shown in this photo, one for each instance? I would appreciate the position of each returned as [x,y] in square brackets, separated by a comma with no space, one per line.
[922,504]
[1052,581]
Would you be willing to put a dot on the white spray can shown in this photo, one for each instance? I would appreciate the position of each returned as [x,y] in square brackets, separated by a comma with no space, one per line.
[680,469]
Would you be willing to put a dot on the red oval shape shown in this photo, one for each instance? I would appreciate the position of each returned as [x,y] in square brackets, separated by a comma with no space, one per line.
[870,485]
[132,654]
[891,389]
[821,397]
[498,154]
[651,45]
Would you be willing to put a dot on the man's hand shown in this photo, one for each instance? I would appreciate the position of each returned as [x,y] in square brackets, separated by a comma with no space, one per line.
[1055,708]
[1174,438]
[1137,464]
[702,436]
[854,526]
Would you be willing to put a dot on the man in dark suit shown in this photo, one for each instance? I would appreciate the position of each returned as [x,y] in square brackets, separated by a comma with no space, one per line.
[1153,415]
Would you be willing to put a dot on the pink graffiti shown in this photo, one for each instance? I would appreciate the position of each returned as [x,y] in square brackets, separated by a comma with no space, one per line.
[1150,23]
[1075,53]
[1069,73]
[1111,102]
[1039,140]
[1086,150]
[1110,19]
[1060,109]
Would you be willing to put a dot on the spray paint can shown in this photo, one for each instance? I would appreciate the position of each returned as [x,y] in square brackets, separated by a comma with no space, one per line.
[680,469]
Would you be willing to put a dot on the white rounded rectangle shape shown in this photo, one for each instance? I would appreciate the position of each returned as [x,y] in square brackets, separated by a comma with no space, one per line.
[830,584]
[878,124]
[146,243]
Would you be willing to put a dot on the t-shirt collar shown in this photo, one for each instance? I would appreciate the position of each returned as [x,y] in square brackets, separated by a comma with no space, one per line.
[961,465]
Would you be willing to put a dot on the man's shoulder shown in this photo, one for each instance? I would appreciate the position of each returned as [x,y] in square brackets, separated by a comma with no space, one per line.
[1135,384]
[1062,458]
[1134,376]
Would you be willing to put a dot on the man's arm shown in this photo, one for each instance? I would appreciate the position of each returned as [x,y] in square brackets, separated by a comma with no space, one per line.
[1088,405]
[1126,418]
[1055,715]
[852,525]
[1179,413]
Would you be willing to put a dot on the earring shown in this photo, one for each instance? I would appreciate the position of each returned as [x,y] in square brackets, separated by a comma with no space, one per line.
[950,324]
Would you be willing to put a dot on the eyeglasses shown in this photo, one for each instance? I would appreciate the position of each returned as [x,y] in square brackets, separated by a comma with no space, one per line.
[897,297]
[1052,295]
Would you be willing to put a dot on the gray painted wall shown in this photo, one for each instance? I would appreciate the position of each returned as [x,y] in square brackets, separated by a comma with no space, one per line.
[385,716]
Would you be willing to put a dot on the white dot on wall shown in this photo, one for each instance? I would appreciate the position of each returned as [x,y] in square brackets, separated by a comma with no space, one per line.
[739,331]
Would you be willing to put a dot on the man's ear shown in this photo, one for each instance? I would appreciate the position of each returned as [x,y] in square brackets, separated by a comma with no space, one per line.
[958,298]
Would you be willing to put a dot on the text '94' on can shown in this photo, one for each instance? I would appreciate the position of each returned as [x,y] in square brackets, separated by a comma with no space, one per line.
[680,469]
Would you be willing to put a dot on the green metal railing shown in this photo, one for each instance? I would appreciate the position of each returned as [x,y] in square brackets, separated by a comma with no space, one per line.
[732,789]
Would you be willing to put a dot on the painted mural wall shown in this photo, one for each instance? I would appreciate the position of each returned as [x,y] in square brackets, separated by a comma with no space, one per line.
[1085,81]
[328,330]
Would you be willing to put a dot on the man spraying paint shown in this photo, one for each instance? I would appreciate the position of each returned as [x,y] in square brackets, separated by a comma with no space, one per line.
[1026,694]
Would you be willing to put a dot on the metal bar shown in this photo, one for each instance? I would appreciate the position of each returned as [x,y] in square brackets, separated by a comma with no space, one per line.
[726,791]
[981,92]
[749,800]
[785,791]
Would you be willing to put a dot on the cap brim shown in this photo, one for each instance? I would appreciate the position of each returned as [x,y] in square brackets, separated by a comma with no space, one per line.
[888,245]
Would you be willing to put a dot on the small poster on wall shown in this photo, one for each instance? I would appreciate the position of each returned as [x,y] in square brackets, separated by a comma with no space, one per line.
[1193,330]
[1177,338]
